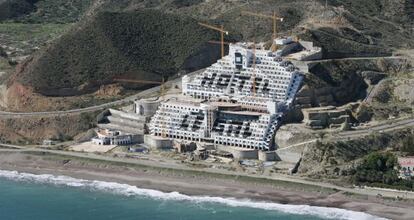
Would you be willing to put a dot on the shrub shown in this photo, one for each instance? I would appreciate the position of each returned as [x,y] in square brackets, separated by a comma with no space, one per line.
[408,145]
[144,45]
[379,169]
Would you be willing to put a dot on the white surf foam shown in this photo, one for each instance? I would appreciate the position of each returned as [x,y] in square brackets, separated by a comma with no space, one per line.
[128,190]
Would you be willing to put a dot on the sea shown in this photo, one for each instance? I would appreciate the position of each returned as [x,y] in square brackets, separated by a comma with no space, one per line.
[49,197]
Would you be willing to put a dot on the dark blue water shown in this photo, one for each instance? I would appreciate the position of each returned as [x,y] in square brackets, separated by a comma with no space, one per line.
[31,198]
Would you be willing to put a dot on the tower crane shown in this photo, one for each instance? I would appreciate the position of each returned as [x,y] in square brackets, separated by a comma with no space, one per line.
[218,42]
[254,68]
[222,33]
[274,18]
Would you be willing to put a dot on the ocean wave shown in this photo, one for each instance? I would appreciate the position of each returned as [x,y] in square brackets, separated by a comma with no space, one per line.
[129,190]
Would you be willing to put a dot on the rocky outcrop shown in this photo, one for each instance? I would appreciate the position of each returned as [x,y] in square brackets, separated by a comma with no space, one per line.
[372,77]
[338,82]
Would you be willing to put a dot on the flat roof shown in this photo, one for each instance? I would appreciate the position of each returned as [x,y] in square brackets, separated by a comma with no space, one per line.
[250,113]
[184,102]
[228,104]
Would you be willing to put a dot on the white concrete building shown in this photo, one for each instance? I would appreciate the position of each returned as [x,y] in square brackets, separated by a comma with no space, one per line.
[252,76]
[195,121]
[110,137]
[238,101]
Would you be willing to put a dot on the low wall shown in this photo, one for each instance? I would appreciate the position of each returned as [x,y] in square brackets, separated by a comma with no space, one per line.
[268,156]
[137,138]
[240,153]
[132,116]
[126,122]
[146,107]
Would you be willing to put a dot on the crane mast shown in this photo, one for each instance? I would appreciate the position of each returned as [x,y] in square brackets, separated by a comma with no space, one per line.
[222,33]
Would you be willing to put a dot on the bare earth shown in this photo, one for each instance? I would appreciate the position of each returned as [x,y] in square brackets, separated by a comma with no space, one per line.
[203,184]
[91,147]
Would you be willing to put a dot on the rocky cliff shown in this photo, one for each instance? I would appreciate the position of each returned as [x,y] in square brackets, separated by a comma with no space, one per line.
[338,82]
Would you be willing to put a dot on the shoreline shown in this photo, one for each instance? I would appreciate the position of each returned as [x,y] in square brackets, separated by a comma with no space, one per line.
[193,184]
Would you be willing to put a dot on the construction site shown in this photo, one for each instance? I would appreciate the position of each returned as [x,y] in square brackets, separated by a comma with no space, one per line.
[260,105]
[231,109]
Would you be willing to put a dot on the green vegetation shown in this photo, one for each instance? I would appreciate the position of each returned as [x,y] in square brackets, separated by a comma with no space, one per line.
[2,53]
[31,32]
[4,64]
[186,3]
[144,45]
[384,93]
[408,145]
[43,11]
[364,113]
[326,156]
[384,23]
[27,38]
[381,169]
[27,25]
[14,8]
[343,43]
[88,119]
[377,168]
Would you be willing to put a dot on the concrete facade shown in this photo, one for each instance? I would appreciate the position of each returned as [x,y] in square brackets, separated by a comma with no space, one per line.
[268,156]
[237,102]
[251,76]
[125,122]
[240,153]
[324,117]
[158,142]
[110,137]
[193,121]
[146,107]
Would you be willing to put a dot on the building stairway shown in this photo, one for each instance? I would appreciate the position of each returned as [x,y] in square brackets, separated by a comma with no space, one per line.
[122,121]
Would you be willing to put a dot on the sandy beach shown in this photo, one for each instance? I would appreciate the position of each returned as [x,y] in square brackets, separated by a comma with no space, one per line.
[193,183]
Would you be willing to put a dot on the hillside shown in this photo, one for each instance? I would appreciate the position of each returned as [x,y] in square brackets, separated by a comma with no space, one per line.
[144,45]
[10,9]
[344,81]
[80,45]
[43,11]
[344,28]
[342,160]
